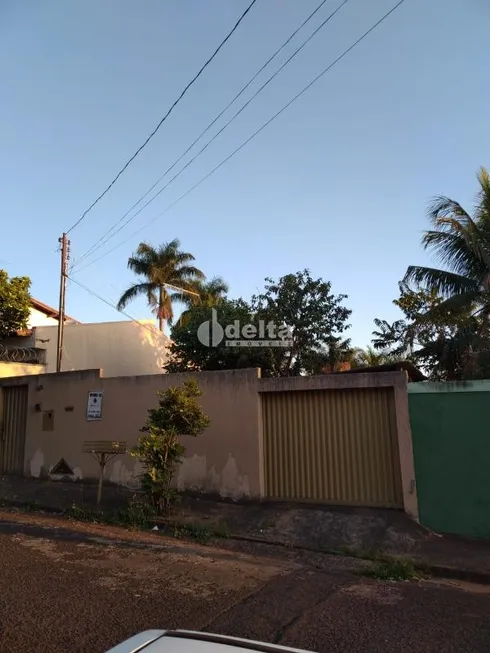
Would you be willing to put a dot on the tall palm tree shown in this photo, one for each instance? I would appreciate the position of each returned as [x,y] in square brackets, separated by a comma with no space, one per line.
[209,294]
[462,244]
[165,269]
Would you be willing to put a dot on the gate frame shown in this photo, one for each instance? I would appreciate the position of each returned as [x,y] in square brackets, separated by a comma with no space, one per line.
[395,380]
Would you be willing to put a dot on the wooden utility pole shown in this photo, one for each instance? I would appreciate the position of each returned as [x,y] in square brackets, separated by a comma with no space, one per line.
[64,245]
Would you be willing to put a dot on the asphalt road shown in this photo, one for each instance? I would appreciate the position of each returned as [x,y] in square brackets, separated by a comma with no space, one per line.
[65,591]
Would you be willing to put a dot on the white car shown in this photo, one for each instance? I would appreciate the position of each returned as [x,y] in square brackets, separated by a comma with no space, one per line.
[188,641]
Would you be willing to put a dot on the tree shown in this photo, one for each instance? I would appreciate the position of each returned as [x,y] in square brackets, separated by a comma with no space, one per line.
[423,335]
[209,294]
[314,314]
[14,304]
[462,244]
[163,267]
[191,351]
[334,356]
[370,357]
[159,448]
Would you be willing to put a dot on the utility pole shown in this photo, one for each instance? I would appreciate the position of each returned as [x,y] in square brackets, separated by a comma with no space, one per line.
[64,248]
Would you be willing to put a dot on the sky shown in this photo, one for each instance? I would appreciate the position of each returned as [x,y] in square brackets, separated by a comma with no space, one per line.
[338,183]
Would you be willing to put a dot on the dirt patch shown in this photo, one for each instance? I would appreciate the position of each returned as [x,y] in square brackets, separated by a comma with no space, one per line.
[41,545]
[382,593]
[116,569]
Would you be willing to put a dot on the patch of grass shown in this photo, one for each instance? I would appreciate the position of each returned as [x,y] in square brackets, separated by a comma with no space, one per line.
[79,514]
[392,569]
[138,516]
[198,532]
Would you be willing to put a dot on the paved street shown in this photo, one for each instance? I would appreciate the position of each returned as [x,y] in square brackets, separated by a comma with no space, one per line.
[64,591]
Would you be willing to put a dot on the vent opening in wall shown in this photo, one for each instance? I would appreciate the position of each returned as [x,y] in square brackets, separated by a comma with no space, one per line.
[62,468]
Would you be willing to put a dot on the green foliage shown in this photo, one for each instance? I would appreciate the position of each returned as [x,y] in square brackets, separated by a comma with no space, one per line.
[209,294]
[314,314]
[425,334]
[370,357]
[392,569]
[189,353]
[80,514]
[137,515]
[161,267]
[306,306]
[462,243]
[198,532]
[14,304]
[159,447]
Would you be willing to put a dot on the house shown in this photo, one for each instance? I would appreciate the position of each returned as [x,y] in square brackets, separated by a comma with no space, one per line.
[43,315]
[127,348]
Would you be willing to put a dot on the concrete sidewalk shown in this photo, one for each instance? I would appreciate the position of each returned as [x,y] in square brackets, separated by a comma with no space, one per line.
[360,532]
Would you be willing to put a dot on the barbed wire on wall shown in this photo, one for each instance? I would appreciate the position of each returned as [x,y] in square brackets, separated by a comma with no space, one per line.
[11,354]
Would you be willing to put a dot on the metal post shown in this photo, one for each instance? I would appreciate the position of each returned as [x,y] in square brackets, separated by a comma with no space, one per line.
[61,313]
[102,462]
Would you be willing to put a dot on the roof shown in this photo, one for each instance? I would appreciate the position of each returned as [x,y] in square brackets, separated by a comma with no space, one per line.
[413,372]
[49,311]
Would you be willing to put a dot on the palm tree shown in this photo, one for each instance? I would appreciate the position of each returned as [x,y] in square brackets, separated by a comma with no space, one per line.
[165,267]
[209,294]
[369,357]
[391,337]
[462,244]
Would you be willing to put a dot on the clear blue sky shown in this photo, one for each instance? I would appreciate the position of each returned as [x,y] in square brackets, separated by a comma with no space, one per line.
[338,183]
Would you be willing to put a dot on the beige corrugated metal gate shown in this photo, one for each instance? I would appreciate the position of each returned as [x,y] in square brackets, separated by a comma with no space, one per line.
[13,417]
[335,446]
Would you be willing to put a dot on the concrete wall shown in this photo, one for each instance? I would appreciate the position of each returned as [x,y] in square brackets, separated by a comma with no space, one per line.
[20,369]
[227,459]
[117,348]
[224,460]
[36,318]
[450,427]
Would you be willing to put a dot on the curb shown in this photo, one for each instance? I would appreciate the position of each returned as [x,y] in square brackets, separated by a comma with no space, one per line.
[438,571]
[37,507]
[468,575]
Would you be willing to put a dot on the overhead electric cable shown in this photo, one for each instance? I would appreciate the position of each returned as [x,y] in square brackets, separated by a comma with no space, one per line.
[175,103]
[256,133]
[110,232]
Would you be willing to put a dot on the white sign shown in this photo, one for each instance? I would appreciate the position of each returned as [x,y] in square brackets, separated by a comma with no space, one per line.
[94,405]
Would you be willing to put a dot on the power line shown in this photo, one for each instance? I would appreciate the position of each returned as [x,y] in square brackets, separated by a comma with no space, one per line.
[106,301]
[198,74]
[102,240]
[256,133]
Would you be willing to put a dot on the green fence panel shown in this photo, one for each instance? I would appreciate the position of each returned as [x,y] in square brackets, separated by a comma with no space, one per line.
[451,441]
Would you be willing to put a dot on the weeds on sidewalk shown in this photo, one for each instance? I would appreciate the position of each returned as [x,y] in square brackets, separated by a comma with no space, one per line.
[198,532]
[138,515]
[392,569]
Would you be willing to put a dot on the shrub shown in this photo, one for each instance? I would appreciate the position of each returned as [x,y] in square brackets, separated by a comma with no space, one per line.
[159,448]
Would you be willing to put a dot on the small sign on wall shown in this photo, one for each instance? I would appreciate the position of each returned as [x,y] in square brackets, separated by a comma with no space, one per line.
[94,405]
